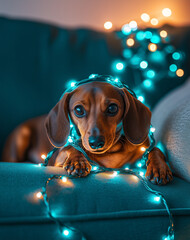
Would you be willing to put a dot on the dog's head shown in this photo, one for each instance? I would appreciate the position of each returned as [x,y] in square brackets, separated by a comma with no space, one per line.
[100,112]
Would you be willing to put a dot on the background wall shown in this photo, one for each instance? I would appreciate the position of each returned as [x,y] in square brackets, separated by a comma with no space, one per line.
[93,13]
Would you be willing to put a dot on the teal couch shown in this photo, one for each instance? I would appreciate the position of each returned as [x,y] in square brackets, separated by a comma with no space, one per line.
[36,60]
[100,206]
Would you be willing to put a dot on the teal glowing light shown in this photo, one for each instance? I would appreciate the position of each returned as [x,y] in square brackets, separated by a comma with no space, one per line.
[93,75]
[147,83]
[169,49]
[135,60]
[155,39]
[144,64]
[176,56]
[157,199]
[141,98]
[66,232]
[71,83]
[94,168]
[150,73]
[140,35]
[127,53]
[141,174]
[157,56]
[126,29]
[173,68]
[118,66]
[148,34]
[139,164]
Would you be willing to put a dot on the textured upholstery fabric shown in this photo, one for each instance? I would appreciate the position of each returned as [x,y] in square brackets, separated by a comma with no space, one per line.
[101,206]
[171,118]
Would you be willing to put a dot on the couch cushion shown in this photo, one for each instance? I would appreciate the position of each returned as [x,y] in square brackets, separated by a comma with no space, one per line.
[100,205]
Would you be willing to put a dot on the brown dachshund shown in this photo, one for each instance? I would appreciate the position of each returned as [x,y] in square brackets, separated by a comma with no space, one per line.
[111,123]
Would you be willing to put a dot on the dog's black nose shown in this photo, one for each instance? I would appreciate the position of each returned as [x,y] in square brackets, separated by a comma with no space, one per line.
[96,142]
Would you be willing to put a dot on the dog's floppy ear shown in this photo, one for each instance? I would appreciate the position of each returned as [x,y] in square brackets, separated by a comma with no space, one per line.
[137,119]
[57,122]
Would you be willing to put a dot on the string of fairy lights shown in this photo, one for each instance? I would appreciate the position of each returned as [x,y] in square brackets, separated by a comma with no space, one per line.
[143,49]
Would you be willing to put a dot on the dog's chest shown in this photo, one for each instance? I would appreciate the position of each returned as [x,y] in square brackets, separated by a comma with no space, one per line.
[118,158]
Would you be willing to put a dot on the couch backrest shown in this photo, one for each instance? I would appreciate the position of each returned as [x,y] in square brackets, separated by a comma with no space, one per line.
[36,61]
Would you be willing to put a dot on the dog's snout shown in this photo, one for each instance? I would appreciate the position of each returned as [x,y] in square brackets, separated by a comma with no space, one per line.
[96,142]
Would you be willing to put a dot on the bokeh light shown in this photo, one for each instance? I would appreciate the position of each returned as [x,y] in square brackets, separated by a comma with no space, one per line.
[145,17]
[130,42]
[180,72]
[154,21]
[152,47]
[108,25]
[163,34]
[166,12]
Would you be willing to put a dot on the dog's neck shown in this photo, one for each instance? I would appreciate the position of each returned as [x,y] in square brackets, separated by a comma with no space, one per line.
[120,153]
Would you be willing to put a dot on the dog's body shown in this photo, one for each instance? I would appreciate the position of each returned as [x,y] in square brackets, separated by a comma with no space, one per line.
[111,123]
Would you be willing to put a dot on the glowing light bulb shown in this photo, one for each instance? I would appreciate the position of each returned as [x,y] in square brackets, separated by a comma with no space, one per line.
[94,168]
[163,34]
[133,25]
[114,173]
[119,66]
[93,75]
[150,73]
[126,29]
[108,25]
[64,179]
[145,17]
[144,64]
[152,47]
[147,83]
[141,98]
[116,80]
[176,55]
[66,232]
[130,42]
[70,139]
[143,149]
[152,129]
[73,84]
[39,195]
[40,164]
[180,72]
[71,126]
[166,12]
[43,156]
[173,67]
[157,199]
[126,168]
[141,174]
[139,164]
[154,21]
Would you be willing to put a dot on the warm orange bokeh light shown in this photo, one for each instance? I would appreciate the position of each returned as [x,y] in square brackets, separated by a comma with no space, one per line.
[152,47]
[163,34]
[130,42]
[180,72]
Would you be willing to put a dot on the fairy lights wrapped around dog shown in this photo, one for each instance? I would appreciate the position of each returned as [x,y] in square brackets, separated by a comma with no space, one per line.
[96,168]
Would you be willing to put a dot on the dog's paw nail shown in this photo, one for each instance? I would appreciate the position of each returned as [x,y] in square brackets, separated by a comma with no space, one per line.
[77,171]
[72,168]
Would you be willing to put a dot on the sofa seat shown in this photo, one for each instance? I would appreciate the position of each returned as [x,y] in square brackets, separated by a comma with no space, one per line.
[102,206]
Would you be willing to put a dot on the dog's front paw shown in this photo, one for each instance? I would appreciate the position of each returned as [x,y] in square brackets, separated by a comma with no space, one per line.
[158,173]
[77,165]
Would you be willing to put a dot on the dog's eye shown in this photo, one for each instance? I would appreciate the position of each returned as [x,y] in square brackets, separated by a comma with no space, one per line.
[112,109]
[79,111]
